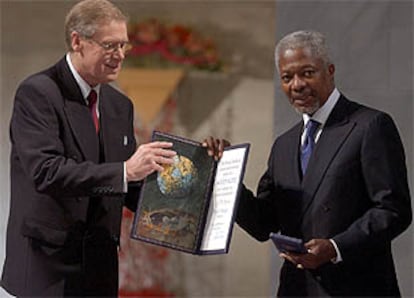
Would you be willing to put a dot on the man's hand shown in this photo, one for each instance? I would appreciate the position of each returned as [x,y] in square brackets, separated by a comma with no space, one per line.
[215,147]
[320,251]
[147,159]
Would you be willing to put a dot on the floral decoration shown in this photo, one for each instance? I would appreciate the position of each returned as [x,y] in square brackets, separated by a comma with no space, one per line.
[155,44]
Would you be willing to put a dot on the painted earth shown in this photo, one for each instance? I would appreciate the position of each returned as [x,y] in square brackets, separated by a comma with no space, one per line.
[177,179]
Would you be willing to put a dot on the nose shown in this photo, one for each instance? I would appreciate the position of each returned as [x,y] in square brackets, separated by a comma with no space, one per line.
[119,53]
[298,84]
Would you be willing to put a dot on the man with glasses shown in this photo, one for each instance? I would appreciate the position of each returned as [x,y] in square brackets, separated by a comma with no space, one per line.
[74,164]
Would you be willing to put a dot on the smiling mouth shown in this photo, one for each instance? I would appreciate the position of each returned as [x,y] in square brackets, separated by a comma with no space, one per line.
[299,99]
[113,67]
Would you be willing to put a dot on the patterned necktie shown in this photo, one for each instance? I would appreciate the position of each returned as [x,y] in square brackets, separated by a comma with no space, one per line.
[92,99]
[309,143]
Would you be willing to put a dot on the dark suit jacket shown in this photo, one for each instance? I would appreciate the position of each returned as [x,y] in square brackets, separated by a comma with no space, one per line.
[55,173]
[355,192]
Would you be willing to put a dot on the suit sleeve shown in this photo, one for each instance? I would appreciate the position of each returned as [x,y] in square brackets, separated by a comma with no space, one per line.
[258,215]
[36,135]
[385,179]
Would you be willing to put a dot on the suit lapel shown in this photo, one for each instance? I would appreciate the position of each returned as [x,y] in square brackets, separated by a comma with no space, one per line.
[336,130]
[83,129]
[78,114]
[295,143]
[110,131]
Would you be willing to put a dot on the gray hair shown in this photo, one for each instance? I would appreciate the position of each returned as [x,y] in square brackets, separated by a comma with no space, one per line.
[304,39]
[86,17]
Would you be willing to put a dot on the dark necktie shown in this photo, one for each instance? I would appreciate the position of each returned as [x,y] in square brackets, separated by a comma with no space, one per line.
[92,99]
[309,143]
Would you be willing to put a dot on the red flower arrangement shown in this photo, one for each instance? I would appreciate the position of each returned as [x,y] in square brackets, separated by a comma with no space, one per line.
[157,45]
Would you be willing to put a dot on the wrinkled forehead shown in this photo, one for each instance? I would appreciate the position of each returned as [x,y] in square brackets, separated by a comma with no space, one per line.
[112,28]
[297,57]
[297,52]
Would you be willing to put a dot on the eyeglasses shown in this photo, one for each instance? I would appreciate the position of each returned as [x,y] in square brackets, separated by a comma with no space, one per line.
[112,47]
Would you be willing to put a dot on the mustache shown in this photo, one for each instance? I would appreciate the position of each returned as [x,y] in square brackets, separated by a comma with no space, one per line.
[309,110]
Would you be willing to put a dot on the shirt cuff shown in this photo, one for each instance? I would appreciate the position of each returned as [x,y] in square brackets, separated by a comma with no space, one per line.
[125,180]
[338,253]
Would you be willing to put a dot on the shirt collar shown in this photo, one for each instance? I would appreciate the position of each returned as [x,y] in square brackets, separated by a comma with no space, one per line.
[83,85]
[322,114]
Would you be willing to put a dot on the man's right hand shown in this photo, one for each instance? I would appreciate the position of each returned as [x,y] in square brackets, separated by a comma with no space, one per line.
[215,147]
[147,159]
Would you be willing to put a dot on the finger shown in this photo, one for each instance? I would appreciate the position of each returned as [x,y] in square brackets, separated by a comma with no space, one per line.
[283,256]
[166,153]
[217,145]
[286,256]
[154,167]
[221,148]
[310,243]
[293,260]
[157,167]
[311,246]
[159,144]
[157,152]
[294,255]
[207,142]
[296,258]
[164,160]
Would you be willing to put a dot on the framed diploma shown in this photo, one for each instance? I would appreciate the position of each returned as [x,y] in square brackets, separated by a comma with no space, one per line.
[190,206]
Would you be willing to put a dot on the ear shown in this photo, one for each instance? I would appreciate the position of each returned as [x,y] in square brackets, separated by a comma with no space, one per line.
[331,69]
[76,41]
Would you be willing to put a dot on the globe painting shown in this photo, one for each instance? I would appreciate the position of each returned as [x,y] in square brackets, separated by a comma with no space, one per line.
[177,179]
[174,202]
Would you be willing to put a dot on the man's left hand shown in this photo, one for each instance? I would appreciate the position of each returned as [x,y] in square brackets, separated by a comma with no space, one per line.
[320,251]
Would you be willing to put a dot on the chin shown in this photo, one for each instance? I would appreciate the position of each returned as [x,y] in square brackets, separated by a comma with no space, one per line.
[309,110]
[111,77]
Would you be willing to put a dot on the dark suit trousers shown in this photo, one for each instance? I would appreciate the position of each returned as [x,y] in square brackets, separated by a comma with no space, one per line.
[86,266]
